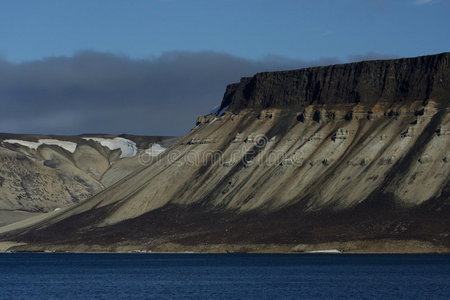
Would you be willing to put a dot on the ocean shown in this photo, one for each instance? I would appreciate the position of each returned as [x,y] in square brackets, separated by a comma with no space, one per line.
[223,276]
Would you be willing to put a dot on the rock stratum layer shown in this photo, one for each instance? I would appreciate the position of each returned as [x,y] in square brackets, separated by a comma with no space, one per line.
[354,157]
[395,81]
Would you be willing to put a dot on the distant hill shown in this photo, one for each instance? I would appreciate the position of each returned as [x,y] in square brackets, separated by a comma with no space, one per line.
[41,173]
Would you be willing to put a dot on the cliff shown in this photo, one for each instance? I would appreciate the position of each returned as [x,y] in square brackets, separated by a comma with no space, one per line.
[410,79]
[354,157]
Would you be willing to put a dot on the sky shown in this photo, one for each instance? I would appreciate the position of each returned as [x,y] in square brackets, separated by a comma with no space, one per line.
[152,66]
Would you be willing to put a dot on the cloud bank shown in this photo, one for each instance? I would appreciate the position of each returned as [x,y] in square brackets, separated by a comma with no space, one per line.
[96,92]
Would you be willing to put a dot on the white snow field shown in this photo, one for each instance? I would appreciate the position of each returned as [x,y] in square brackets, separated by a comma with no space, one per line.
[69,146]
[155,150]
[128,148]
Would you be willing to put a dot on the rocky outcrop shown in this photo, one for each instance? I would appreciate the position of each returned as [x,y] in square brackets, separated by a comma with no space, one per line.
[395,81]
[205,119]
[342,154]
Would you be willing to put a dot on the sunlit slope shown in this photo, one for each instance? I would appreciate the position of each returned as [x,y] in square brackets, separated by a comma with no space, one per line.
[281,165]
[40,174]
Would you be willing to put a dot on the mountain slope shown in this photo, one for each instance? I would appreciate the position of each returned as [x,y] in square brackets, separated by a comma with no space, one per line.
[42,173]
[352,156]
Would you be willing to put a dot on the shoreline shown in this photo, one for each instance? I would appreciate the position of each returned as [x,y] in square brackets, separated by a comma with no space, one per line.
[382,246]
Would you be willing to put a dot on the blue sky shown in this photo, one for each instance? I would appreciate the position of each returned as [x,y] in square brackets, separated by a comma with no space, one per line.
[299,29]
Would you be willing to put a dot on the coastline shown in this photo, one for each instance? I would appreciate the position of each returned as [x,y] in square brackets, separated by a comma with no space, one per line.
[381,246]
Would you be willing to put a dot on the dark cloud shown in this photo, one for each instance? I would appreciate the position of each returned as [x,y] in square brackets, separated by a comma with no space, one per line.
[108,93]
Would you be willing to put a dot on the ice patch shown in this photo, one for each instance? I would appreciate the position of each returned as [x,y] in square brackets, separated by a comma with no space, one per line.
[128,148]
[155,150]
[69,146]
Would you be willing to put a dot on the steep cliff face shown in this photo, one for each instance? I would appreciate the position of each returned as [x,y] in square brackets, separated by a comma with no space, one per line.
[353,154]
[410,79]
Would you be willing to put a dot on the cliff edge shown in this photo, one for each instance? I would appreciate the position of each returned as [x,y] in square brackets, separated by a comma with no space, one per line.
[409,79]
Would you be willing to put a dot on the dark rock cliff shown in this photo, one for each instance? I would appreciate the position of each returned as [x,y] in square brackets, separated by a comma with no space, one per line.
[409,79]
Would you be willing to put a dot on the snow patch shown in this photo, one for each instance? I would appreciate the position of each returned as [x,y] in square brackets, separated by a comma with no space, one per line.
[217,111]
[221,112]
[31,145]
[214,110]
[128,148]
[69,146]
[324,251]
[155,150]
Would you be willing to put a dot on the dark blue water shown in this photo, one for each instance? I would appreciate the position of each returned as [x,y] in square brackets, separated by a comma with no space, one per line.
[192,276]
